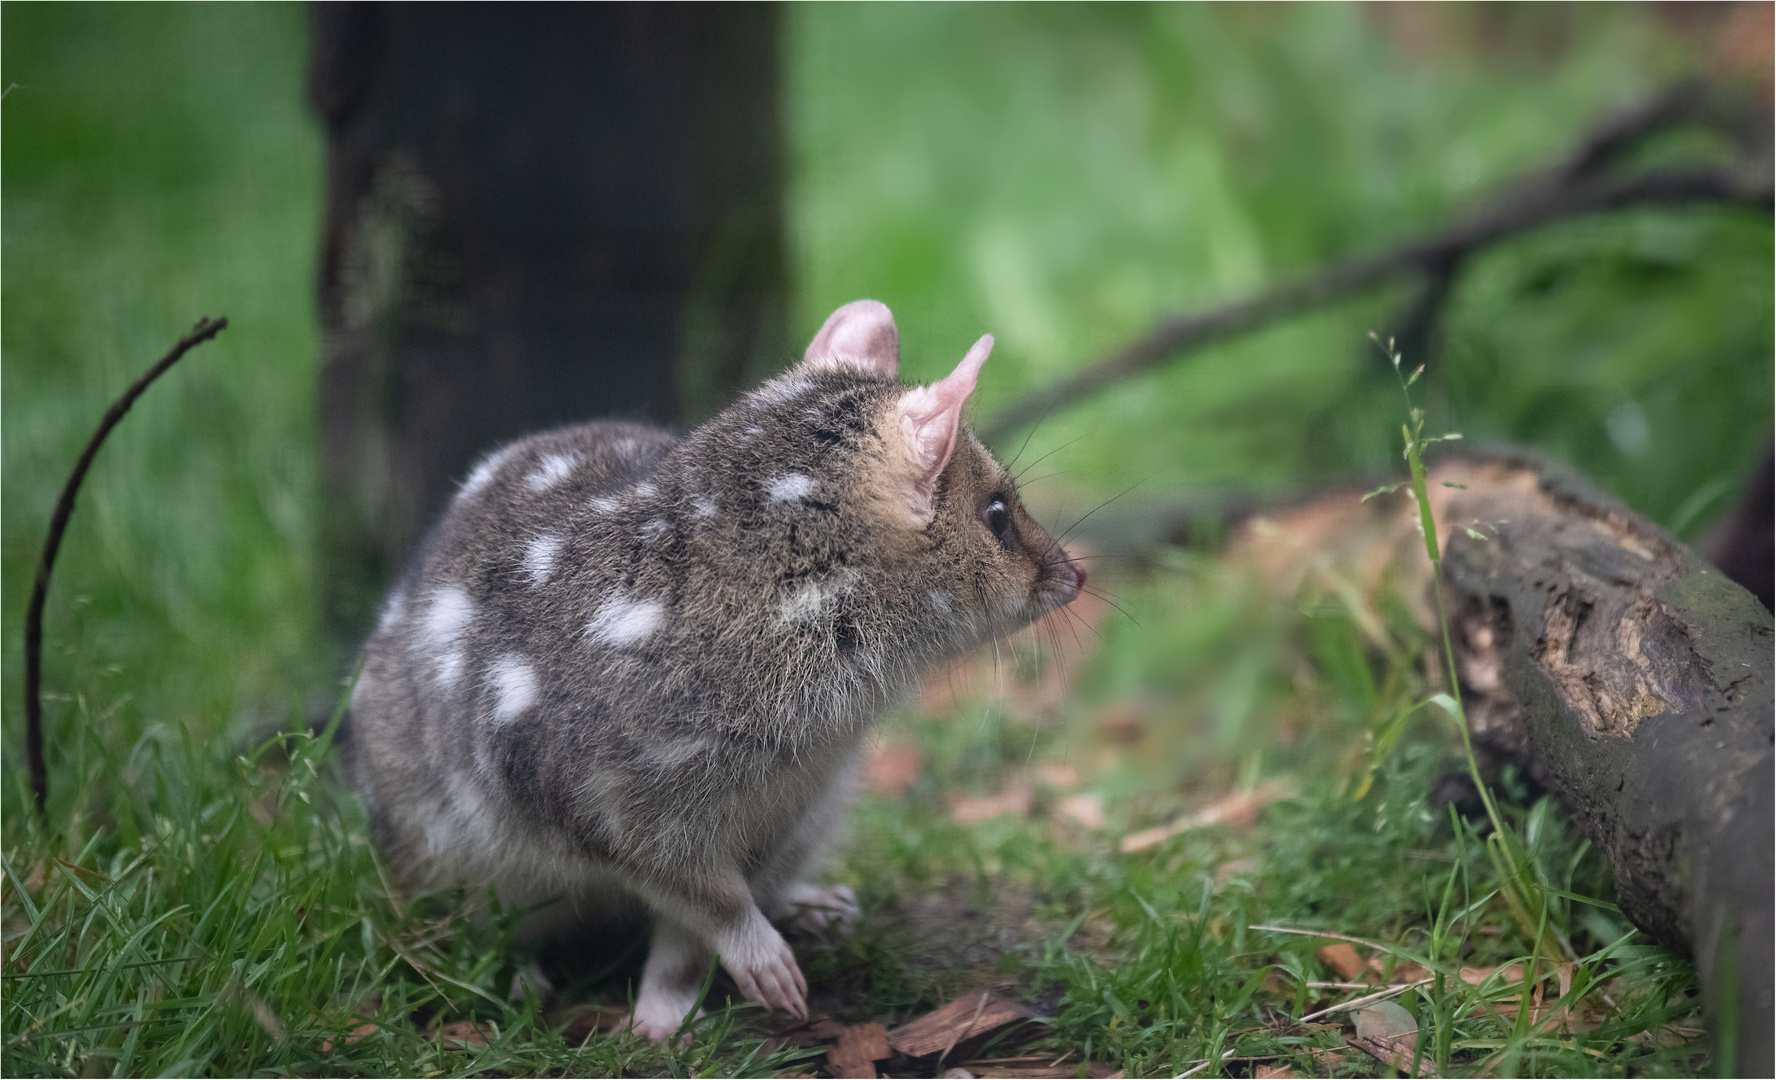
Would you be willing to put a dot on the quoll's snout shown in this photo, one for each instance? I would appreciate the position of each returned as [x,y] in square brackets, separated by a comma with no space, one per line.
[1069,578]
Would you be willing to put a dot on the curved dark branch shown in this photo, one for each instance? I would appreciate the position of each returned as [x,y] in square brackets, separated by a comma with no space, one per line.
[58,523]
[1571,189]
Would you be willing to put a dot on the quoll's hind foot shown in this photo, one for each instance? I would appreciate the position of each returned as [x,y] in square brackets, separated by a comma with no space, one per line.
[656,1017]
[815,909]
[670,981]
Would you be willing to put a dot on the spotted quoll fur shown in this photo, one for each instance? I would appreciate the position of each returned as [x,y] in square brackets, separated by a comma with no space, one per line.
[631,671]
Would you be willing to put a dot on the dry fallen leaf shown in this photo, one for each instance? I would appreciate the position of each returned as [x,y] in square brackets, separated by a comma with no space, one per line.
[1085,810]
[1058,776]
[1232,868]
[1667,1036]
[356,1033]
[462,1035]
[941,1029]
[1340,957]
[972,810]
[583,1021]
[893,769]
[1239,811]
[816,1030]
[1273,1072]
[1475,976]
[1387,1020]
[857,1050]
[1094,1069]
[1404,972]
[1388,1033]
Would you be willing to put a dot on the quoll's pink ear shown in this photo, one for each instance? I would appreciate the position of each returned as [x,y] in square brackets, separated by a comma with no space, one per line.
[929,418]
[862,335]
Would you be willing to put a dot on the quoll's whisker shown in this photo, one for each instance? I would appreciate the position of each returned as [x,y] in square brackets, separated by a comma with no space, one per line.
[1031,434]
[1019,477]
[1069,531]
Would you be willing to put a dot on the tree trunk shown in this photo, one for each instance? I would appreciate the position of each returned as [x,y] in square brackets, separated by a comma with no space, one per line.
[535,215]
[1635,681]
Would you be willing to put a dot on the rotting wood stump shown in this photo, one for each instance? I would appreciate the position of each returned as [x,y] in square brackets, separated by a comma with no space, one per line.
[1634,681]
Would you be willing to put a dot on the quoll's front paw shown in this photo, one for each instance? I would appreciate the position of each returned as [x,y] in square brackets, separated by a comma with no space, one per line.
[764,968]
[816,909]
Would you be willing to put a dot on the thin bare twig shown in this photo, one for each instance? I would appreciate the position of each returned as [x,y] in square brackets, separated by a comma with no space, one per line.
[205,329]
[1572,188]
[1367,999]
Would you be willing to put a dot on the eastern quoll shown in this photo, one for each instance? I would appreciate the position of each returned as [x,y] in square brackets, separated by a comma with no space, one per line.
[632,671]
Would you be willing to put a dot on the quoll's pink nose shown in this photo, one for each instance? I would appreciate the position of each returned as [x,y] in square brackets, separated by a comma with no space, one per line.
[1078,575]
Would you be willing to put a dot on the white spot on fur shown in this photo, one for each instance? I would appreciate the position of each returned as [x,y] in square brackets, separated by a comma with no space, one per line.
[703,506]
[446,618]
[484,472]
[751,433]
[790,487]
[810,600]
[552,470]
[394,609]
[623,621]
[940,600]
[646,489]
[604,505]
[514,687]
[656,529]
[625,447]
[539,557]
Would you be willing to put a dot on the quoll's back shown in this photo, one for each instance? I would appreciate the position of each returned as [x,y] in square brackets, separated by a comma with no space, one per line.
[629,670]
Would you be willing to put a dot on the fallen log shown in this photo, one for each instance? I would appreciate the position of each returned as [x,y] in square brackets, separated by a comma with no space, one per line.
[1634,680]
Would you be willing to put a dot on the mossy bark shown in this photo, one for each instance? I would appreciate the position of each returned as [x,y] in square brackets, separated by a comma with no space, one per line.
[1634,680]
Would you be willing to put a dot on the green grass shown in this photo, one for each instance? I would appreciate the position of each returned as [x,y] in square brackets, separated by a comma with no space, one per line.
[205,901]
[227,917]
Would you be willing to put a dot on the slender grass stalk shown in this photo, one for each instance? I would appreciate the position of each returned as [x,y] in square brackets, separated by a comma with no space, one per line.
[1519,884]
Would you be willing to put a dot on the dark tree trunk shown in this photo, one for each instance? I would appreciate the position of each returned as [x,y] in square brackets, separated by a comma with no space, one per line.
[1744,545]
[1635,681]
[535,215]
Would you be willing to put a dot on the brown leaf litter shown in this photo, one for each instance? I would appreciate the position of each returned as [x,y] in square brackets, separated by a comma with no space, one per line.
[1238,810]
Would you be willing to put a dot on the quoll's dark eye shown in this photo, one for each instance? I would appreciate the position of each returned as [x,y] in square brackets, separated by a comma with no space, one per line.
[998,517]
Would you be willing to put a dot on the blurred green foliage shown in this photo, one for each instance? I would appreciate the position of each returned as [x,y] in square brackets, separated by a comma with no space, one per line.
[1062,176]
[1058,175]
[157,166]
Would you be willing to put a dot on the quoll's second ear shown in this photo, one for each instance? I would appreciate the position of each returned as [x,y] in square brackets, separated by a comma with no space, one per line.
[928,418]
